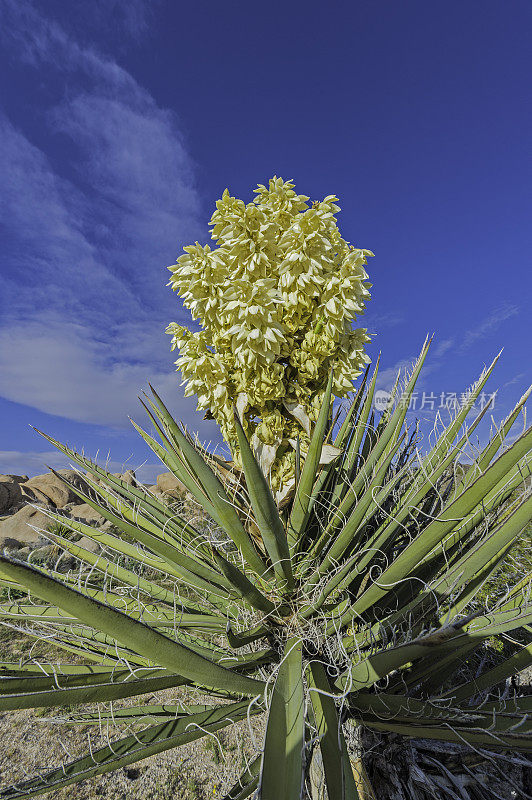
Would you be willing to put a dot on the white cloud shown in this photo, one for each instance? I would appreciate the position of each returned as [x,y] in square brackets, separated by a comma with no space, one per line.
[15,462]
[118,24]
[387,377]
[133,157]
[376,322]
[516,379]
[84,297]
[49,260]
[59,369]
[39,39]
[122,19]
[489,325]
[35,462]
[442,347]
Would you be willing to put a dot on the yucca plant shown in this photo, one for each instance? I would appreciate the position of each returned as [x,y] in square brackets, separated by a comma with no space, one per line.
[352,607]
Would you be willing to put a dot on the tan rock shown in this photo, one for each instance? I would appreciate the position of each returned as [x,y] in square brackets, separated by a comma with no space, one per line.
[88,544]
[86,513]
[16,528]
[48,488]
[13,478]
[10,494]
[128,477]
[153,489]
[168,484]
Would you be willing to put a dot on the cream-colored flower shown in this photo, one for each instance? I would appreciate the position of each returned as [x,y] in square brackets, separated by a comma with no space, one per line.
[276,297]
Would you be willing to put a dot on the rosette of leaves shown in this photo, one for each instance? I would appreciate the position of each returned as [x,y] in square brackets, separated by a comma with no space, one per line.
[276,299]
[355,605]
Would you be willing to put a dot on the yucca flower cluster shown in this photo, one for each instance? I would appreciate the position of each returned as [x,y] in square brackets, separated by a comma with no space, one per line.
[276,299]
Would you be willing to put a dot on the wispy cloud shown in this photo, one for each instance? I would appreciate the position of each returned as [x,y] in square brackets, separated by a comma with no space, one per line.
[127,20]
[516,379]
[35,462]
[39,38]
[442,347]
[49,260]
[17,462]
[488,325]
[387,377]
[84,302]
[77,377]
[376,322]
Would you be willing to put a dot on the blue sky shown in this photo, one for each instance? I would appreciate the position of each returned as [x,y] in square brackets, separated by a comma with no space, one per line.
[122,122]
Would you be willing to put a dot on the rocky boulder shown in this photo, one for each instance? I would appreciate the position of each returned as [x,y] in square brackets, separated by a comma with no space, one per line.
[128,477]
[49,489]
[171,486]
[15,531]
[88,544]
[152,488]
[10,492]
[86,513]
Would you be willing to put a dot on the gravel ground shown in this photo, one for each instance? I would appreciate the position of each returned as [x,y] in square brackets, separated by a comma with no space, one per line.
[198,771]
